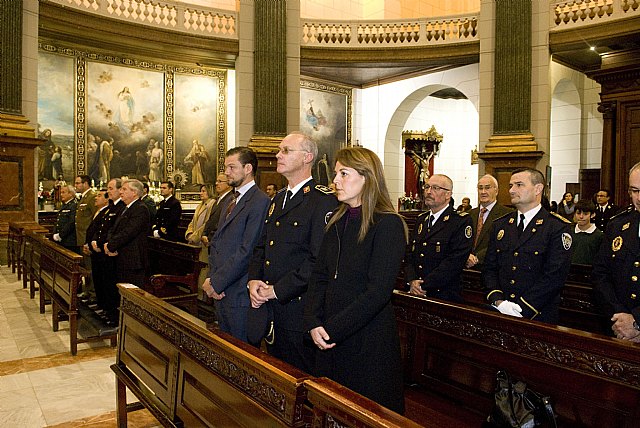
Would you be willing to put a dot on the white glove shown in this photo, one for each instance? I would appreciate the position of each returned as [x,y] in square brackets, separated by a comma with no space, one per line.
[510,308]
[156,234]
[57,238]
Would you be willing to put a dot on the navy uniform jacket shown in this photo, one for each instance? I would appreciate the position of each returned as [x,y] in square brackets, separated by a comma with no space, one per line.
[616,269]
[438,256]
[602,218]
[529,270]
[168,218]
[287,250]
[99,228]
[480,251]
[128,236]
[66,224]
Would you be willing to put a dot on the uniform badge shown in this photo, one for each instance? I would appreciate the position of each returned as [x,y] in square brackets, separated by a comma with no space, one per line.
[539,222]
[500,234]
[327,216]
[446,218]
[306,189]
[617,243]
[511,221]
[625,226]
[163,229]
[566,241]
[271,208]
[420,229]
[468,232]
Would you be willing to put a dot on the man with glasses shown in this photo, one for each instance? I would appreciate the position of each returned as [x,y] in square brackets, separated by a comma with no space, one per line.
[617,267]
[604,209]
[529,253]
[223,190]
[483,216]
[440,244]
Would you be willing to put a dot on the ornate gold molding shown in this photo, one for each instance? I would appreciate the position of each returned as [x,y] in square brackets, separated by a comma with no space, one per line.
[511,143]
[15,125]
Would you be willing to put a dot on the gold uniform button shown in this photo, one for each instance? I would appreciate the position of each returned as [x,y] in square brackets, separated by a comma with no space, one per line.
[515,254]
[513,268]
[512,282]
[634,278]
[419,266]
[424,244]
[277,223]
[295,223]
[421,255]
[513,296]
[266,282]
[536,253]
[636,264]
[633,296]
[267,263]
[270,242]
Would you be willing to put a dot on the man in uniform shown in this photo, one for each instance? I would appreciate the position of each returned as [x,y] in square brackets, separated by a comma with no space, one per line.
[91,247]
[84,214]
[604,209]
[440,244]
[168,215]
[64,231]
[271,191]
[617,267]
[286,252]
[529,253]
[483,216]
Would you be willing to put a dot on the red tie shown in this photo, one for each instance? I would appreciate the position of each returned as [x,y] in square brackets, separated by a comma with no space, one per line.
[232,204]
[483,210]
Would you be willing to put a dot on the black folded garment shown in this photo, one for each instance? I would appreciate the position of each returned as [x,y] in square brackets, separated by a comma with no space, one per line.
[260,324]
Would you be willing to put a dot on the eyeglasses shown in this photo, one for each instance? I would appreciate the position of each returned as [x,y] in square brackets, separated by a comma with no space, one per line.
[435,188]
[287,150]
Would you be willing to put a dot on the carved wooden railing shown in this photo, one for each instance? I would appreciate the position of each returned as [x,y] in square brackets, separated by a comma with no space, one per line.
[165,15]
[374,34]
[576,13]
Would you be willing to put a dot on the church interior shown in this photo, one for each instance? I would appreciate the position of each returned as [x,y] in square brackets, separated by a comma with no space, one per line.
[160,90]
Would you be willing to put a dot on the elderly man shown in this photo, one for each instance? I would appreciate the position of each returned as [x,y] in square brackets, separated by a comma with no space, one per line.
[285,254]
[440,244]
[223,190]
[238,232]
[64,231]
[617,267]
[529,253]
[483,217]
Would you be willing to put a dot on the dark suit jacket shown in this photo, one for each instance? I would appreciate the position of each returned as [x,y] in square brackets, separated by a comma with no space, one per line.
[602,219]
[214,218]
[232,247]
[290,241]
[66,224]
[151,205]
[128,236]
[480,250]
[168,218]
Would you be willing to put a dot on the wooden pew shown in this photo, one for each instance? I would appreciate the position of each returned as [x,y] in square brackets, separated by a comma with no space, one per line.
[174,268]
[15,244]
[454,351]
[33,243]
[188,376]
[61,273]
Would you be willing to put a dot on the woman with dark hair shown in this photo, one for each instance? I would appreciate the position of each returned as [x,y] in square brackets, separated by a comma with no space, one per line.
[349,312]
[566,207]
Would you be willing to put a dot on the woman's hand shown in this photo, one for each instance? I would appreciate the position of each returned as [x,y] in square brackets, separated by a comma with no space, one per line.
[320,337]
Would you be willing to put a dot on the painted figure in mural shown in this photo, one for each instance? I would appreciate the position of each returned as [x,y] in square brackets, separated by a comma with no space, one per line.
[421,166]
[155,161]
[316,120]
[45,168]
[92,148]
[142,165]
[56,162]
[106,156]
[126,105]
[198,156]
[323,171]
[94,166]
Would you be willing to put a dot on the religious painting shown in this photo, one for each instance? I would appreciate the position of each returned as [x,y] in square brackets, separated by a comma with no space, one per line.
[325,115]
[125,122]
[196,99]
[56,117]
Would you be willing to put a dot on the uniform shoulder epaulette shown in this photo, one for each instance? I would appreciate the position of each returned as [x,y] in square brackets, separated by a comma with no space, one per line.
[324,189]
[627,210]
[559,217]
[462,213]
[284,189]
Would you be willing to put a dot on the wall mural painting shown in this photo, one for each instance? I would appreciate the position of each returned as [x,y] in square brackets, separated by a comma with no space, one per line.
[196,134]
[325,115]
[56,79]
[124,123]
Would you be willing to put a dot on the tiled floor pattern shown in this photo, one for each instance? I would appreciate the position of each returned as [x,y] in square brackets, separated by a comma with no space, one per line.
[41,384]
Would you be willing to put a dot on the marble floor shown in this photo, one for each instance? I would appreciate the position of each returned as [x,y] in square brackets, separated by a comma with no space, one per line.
[41,384]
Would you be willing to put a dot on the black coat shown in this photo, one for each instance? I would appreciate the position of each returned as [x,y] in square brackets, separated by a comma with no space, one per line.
[214,218]
[168,219]
[128,236]
[66,224]
[350,296]
[616,269]
[529,270]
[602,218]
[438,256]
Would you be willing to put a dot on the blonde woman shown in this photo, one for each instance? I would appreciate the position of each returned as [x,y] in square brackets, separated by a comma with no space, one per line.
[193,235]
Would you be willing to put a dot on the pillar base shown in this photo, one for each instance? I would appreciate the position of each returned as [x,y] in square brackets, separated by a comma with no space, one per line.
[12,125]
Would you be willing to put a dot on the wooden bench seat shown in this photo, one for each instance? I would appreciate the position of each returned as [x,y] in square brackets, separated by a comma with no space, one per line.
[15,244]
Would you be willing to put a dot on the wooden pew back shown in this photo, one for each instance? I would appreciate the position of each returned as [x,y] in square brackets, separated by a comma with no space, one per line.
[456,350]
[33,243]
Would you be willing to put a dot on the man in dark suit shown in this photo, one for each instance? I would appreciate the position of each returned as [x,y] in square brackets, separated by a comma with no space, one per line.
[64,231]
[224,197]
[127,238]
[286,252]
[168,214]
[440,244]
[604,209]
[91,247]
[232,245]
[482,217]
[529,253]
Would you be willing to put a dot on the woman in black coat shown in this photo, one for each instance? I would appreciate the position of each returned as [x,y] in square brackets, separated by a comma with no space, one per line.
[349,312]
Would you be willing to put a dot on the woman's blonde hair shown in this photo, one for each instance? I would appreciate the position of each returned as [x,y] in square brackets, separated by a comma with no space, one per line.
[375,195]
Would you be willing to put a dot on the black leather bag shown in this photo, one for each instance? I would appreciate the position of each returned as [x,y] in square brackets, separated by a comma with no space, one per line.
[517,406]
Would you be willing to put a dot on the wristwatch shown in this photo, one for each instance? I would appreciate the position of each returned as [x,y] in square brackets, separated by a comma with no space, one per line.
[636,326]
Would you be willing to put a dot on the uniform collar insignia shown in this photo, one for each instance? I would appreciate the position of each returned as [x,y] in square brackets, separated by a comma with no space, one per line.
[445,218]
[306,189]
[511,220]
[625,226]
[539,221]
